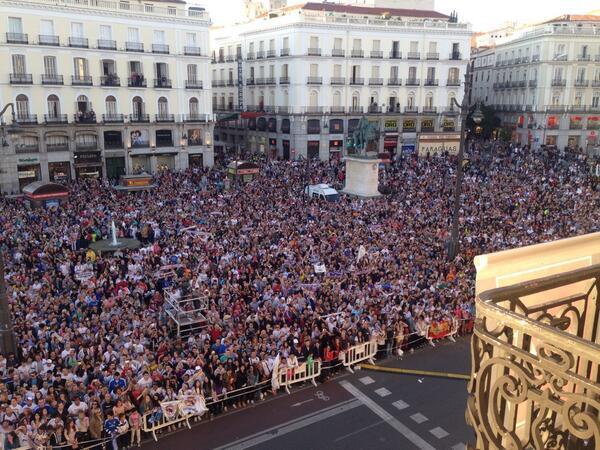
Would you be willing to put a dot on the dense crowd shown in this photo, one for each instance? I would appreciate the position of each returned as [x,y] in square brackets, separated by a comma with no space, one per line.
[97,351]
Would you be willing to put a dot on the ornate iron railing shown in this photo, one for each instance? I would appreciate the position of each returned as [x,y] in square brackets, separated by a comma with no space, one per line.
[535,379]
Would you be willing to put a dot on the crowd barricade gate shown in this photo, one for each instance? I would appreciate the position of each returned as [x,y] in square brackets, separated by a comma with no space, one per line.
[304,372]
[454,325]
[359,353]
[156,420]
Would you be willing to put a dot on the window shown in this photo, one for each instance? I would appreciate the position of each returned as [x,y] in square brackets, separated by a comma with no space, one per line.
[433,47]
[412,73]
[83,104]
[22,106]
[376,45]
[53,106]
[105,32]
[190,39]
[394,72]
[159,37]
[272,71]
[46,27]
[337,43]
[194,106]
[286,43]
[108,67]
[558,73]
[272,44]
[429,100]
[192,72]
[314,70]
[356,44]
[15,25]
[76,29]
[133,34]
[374,71]
[137,107]
[337,99]
[431,73]
[162,72]
[18,62]
[596,100]
[453,73]
[414,46]
[111,106]
[284,70]
[581,74]
[584,51]
[81,67]
[50,66]
[314,99]
[560,51]
[355,72]
[163,107]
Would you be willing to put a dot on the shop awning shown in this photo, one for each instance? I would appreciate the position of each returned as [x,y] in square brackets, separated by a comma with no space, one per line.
[42,190]
[227,117]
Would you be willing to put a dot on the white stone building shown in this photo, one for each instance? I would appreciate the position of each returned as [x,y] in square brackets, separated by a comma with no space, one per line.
[303,76]
[544,82]
[103,88]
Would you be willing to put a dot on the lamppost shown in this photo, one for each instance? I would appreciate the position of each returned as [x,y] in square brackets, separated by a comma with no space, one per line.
[8,341]
[477,116]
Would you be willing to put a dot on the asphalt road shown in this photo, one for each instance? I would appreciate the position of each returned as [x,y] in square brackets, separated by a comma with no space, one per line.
[364,410]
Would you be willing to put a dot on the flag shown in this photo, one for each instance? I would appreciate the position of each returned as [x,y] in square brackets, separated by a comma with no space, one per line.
[362,251]
[275,374]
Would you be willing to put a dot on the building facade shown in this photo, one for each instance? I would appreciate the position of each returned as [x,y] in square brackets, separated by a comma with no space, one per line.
[103,88]
[302,77]
[544,82]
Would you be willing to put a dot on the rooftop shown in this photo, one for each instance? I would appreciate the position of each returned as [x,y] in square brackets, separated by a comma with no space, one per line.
[575,18]
[370,11]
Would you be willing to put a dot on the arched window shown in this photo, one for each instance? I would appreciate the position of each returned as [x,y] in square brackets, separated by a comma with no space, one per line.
[451,96]
[313,101]
[429,100]
[453,74]
[111,106]
[337,99]
[271,98]
[410,101]
[163,107]
[194,107]
[22,106]
[355,102]
[83,105]
[53,106]
[137,105]
[286,98]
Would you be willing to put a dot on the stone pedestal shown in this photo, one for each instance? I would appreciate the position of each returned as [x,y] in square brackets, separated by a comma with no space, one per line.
[362,177]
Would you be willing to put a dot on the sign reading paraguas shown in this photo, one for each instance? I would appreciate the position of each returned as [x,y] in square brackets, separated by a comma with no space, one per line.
[439,143]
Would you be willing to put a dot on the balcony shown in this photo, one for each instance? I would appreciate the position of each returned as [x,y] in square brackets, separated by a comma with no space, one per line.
[192,50]
[260,54]
[355,110]
[535,58]
[230,58]
[376,54]
[374,109]
[163,82]
[314,110]
[394,54]
[107,44]
[450,111]
[260,81]
[314,80]
[230,83]
[314,52]
[284,52]
[375,81]
[27,119]
[357,54]
[161,118]
[412,82]
[134,46]
[429,110]
[250,82]
[81,80]
[411,109]
[357,81]
[532,83]
[595,83]
[337,110]
[78,42]
[193,84]
[432,56]
[250,56]
[17,38]
[113,118]
[110,80]
[139,118]
[522,83]
[338,53]
[161,49]
[431,82]
[196,117]
[560,58]
[394,109]
[136,81]
[270,81]
[93,145]
[46,39]
[57,147]
[21,78]
[413,55]
[55,119]
[582,83]
[271,53]
[284,80]
[337,81]
[535,352]
[584,58]
[27,148]
[453,82]
[283,109]
[455,56]
[557,82]
[394,82]
[88,117]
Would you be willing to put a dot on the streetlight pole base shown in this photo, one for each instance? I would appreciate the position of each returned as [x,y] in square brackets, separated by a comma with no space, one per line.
[452,247]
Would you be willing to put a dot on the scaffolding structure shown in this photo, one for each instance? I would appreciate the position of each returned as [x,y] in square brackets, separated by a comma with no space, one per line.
[188,312]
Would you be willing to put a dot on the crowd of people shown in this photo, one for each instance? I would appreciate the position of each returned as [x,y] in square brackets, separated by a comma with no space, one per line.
[97,351]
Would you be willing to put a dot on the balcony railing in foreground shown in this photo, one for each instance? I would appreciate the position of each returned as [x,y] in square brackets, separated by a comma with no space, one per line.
[536,364]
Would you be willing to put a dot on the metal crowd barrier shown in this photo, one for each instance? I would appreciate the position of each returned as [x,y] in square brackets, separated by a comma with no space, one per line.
[307,371]
[359,353]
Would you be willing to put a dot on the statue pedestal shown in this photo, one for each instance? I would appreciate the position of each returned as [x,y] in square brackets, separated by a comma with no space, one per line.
[362,177]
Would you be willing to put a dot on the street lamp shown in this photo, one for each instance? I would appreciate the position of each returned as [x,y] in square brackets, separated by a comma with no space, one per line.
[8,341]
[477,116]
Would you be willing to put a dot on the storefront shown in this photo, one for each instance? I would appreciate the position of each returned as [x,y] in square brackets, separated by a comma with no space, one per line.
[60,172]
[88,164]
[272,148]
[312,149]
[196,161]
[115,167]
[438,144]
[28,171]
[285,144]
[165,161]
[335,149]
[573,142]
[390,138]
[141,163]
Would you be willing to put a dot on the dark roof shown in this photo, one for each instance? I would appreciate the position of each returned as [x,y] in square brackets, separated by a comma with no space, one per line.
[43,188]
[575,18]
[368,11]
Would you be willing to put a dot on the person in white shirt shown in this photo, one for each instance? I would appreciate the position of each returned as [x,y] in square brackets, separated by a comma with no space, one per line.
[77,406]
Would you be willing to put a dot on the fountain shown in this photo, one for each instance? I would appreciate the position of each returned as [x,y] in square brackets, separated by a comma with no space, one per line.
[113,244]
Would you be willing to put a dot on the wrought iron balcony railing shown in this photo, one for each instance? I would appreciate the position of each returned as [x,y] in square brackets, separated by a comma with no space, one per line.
[536,360]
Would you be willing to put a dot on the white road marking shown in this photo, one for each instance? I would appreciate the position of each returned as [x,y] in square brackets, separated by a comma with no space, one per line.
[439,432]
[382,392]
[360,430]
[400,405]
[303,402]
[419,418]
[366,380]
[291,426]
[459,446]
[413,437]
